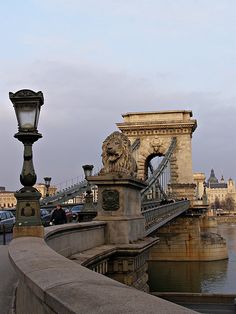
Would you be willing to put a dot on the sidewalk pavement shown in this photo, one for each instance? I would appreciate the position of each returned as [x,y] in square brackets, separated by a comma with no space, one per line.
[8,281]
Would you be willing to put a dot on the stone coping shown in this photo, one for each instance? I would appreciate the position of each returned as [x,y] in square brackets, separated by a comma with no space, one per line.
[98,253]
[156,112]
[69,288]
[52,231]
[90,256]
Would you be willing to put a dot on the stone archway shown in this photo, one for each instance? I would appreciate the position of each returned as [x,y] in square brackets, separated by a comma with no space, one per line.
[155,131]
[149,160]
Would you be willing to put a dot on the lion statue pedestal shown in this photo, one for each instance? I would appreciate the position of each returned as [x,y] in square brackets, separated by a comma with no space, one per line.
[119,204]
[119,199]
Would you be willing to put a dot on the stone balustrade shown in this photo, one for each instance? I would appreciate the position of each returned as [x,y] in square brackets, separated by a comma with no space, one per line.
[51,283]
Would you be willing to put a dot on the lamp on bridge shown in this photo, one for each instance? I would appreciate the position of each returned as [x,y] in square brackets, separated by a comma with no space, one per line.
[27,105]
[88,169]
[47,181]
[204,196]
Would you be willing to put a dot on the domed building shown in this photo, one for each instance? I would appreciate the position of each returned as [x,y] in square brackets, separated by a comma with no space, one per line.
[215,188]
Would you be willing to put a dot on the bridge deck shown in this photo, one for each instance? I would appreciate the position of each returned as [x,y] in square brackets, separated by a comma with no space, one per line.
[158,216]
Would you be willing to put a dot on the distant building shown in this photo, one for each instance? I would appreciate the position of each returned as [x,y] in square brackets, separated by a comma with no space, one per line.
[7,198]
[214,188]
[42,189]
[220,189]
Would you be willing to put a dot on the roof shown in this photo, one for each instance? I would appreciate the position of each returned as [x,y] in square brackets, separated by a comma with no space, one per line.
[212,178]
[216,185]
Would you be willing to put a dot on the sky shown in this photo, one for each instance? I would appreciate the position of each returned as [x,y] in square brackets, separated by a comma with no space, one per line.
[97,59]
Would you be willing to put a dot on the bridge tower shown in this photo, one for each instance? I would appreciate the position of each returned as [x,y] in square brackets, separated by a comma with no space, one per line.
[155,130]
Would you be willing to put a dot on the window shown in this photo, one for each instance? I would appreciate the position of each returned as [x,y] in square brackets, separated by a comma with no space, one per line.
[8,216]
[3,216]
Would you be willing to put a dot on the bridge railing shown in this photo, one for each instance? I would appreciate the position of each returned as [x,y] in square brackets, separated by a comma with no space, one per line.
[158,216]
[66,194]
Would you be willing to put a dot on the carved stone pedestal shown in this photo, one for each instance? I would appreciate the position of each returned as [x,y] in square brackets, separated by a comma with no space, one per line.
[129,264]
[28,222]
[119,204]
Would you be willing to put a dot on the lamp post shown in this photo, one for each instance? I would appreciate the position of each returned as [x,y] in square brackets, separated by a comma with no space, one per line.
[88,197]
[204,196]
[47,181]
[27,105]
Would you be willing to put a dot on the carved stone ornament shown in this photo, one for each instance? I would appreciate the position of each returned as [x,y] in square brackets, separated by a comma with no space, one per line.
[158,145]
[26,93]
[110,200]
[27,211]
[117,155]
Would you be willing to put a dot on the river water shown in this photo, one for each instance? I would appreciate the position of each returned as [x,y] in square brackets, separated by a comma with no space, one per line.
[199,277]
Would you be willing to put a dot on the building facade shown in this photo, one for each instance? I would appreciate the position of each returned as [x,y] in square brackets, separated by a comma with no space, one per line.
[43,190]
[215,189]
[8,200]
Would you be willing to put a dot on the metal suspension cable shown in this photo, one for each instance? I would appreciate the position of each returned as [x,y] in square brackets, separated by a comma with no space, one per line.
[157,173]
[135,144]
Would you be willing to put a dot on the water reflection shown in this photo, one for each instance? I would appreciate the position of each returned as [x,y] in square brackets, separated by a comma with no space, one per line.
[201,277]
[186,276]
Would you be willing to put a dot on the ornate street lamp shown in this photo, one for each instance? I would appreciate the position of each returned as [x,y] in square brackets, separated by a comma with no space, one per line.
[88,197]
[88,169]
[27,105]
[204,196]
[47,181]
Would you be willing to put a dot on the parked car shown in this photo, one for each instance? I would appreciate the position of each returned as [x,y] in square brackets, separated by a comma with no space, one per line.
[45,217]
[7,221]
[10,209]
[69,214]
[76,210]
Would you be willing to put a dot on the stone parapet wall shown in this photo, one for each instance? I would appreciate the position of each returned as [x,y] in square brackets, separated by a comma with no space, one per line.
[50,283]
[69,239]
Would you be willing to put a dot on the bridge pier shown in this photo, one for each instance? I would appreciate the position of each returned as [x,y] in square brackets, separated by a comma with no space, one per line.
[119,205]
[184,240]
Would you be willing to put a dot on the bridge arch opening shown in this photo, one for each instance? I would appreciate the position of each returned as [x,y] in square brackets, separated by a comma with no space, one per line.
[161,188]
[151,164]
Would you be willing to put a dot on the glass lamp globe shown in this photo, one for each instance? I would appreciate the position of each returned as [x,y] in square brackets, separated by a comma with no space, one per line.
[88,170]
[27,105]
[47,181]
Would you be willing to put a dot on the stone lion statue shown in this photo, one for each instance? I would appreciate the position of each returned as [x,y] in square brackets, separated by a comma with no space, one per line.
[117,156]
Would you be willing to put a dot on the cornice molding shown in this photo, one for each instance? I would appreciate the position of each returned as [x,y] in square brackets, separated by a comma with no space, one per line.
[157,126]
[152,132]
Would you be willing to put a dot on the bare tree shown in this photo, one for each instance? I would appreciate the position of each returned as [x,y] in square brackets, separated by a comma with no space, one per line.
[228,204]
[216,203]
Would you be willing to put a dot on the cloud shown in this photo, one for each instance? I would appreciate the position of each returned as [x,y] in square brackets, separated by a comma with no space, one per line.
[83,104]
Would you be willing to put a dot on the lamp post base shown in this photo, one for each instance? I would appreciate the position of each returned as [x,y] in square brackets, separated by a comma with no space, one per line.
[29,231]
